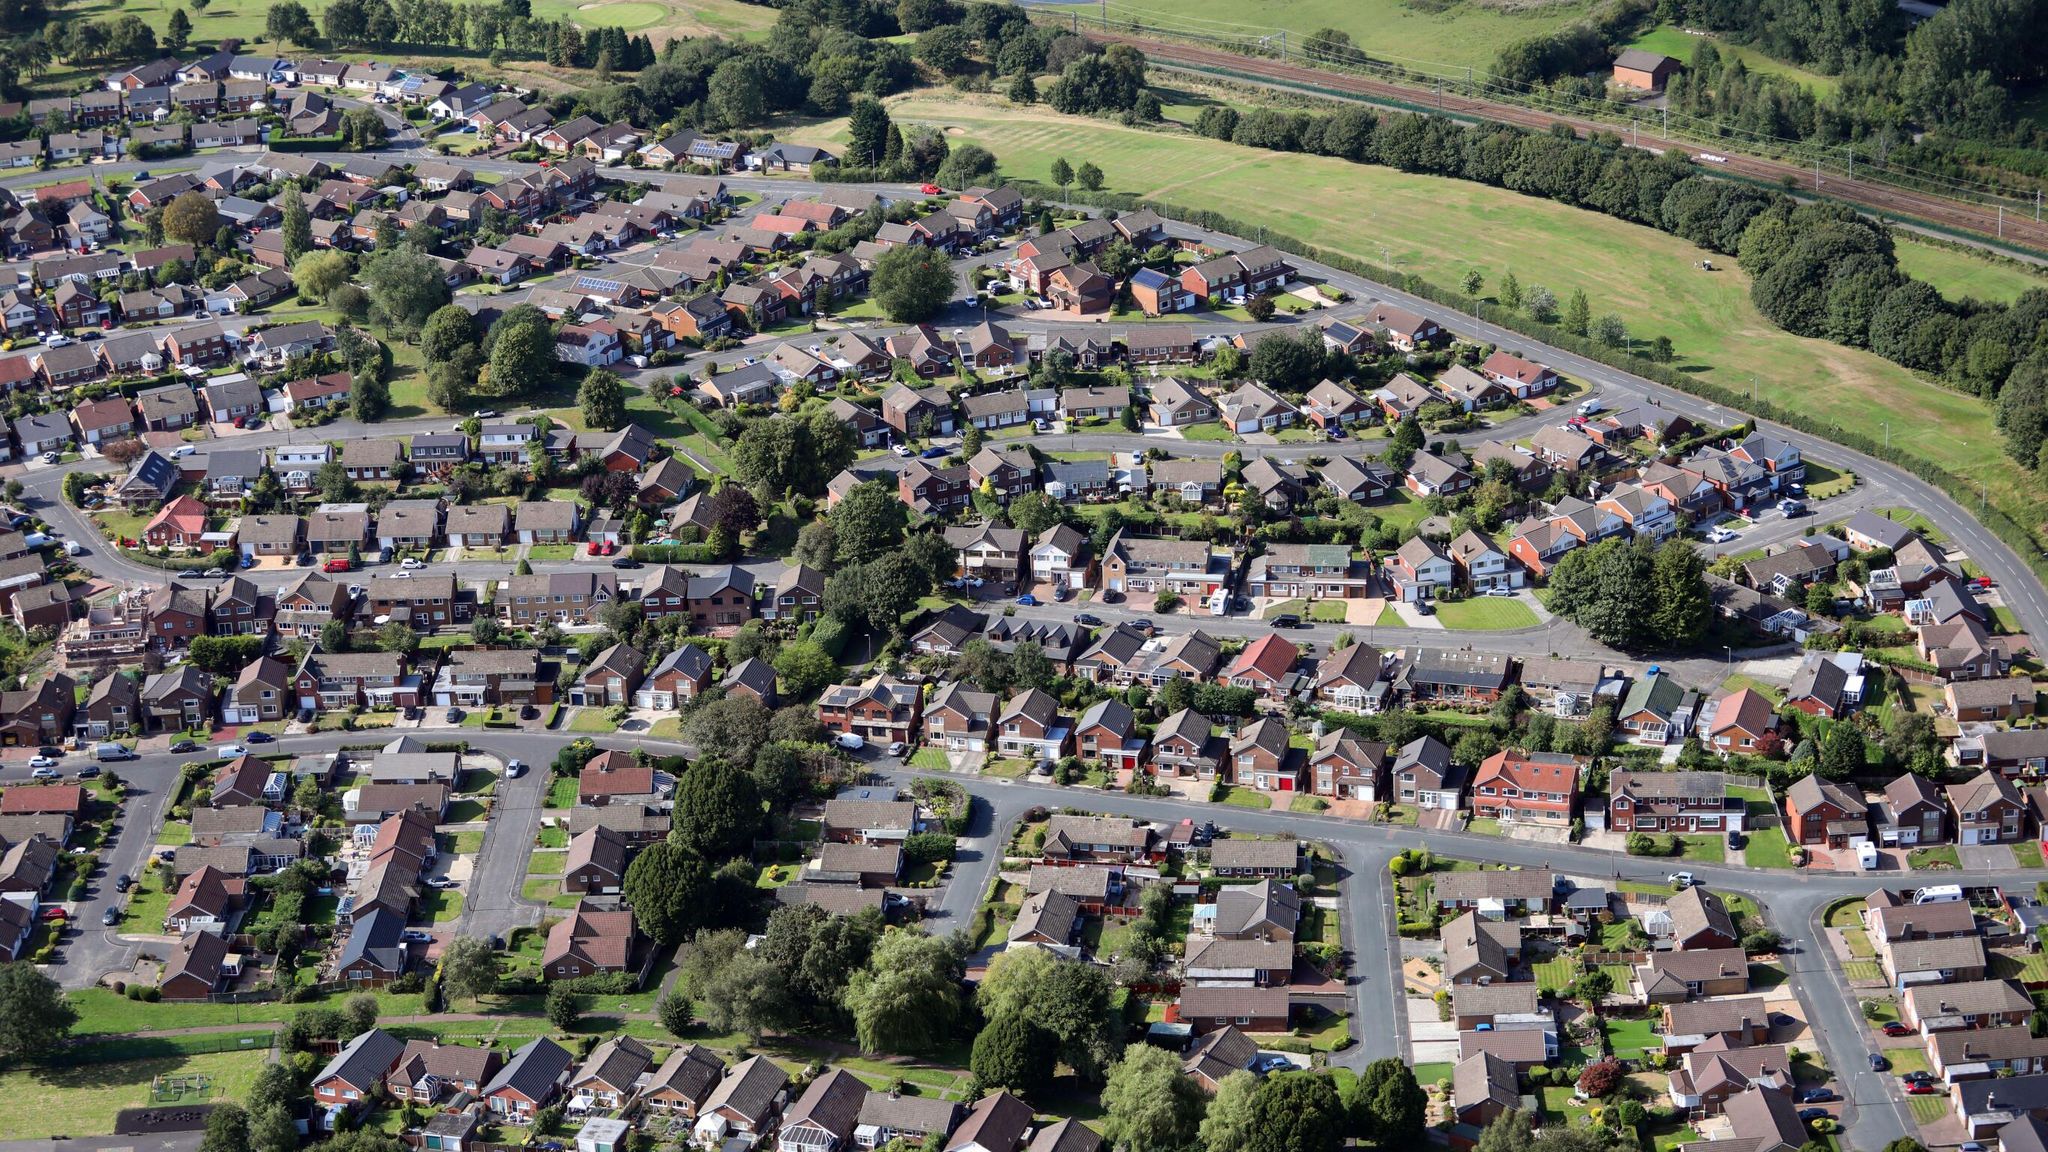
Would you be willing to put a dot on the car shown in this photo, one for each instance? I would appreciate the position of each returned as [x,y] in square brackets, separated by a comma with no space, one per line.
[933,453]
[1680,880]
[214,573]
[44,774]
[1061,594]
[850,741]
[1041,425]
[1338,433]
[1720,536]
[1737,839]
[453,716]
[123,882]
[42,762]
[1088,618]
[51,457]
[1285,620]
[384,554]
[595,549]
[1272,1062]
[1878,1062]
[416,936]
[1921,1089]
[53,912]
[1028,600]
[1814,1114]
[1111,597]
[1897,1029]
[898,748]
[89,772]
[929,189]
[1141,625]
[260,738]
[248,562]
[529,712]
[305,558]
[1970,1146]
[110,917]
[488,413]
[514,769]
[338,564]
[230,751]
[1501,592]
[1917,1077]
[185,746]
[624,562]
[900,449]
[1818,1096]
[412,563]
[441,882]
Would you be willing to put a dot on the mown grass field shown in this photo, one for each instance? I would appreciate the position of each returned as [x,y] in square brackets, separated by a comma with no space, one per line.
[1461,34]
[1679,44]
[1441,228]
[1959,274]
[83,1100]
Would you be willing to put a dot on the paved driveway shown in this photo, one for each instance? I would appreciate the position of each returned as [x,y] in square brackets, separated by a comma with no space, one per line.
[1434,1041]
[1985,857]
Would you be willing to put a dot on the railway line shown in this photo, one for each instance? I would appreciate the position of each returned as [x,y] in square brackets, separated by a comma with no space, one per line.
[1984,223]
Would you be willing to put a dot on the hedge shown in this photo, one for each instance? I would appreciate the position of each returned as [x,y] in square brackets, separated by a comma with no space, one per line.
[1997,521]
[305,144]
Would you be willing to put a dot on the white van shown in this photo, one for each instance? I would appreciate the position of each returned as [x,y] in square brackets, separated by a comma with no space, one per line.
[105,753]
[851,741]
[1589,407]
[1939,894]
[1219,602]
[1866,856]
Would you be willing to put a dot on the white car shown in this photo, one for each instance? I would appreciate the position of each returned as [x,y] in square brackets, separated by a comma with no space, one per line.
[412,563]
[900,449]
[43,774]
[1720,536]
[42,762]
[401,575]
[231,751]
[897,748]
[514,769]
[1680,880]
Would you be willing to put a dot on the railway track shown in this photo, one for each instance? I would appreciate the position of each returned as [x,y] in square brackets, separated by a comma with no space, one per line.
[1882,199]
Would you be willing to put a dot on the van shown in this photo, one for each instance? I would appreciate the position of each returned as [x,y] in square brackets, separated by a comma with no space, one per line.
[108,753]
[1589,407]
[1866,856]
[1939,894]
[1219,602]
[850,741]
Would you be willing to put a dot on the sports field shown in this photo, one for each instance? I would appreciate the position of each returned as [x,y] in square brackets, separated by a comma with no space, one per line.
[1441,228]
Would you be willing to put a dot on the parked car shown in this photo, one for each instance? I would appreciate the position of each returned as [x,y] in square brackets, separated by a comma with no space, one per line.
[260,738]
[624,562]
[1286,620]
[123,882]
[1878,1062]
[1814,1114]
[514,769]
[185,746]
[933,452]
[1897,1029]
[900,449]
[1028,600]
[454,716]
[1921,1089]
[110,917]
[42,761]
[338,564]
[412,562]
[1680,880]
[898,748]
[850,741]
[1088,618]
[44,774]
[215,573]
[89,772]
[1818,1096]
[230,751]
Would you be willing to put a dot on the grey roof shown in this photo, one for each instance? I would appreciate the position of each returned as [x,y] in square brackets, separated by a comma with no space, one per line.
[533,1071]
[749,1089]
[364,1060]
[377,937]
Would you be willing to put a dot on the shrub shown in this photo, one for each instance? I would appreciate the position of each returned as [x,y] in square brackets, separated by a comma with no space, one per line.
[928,848]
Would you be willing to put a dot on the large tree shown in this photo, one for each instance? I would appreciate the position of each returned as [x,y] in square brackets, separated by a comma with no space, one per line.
[907,999]
[817,953]
[1148,1104]
[469,968]
[405,287]
[1069,999]
[192,218]
[1013,1052]
[667,887]
[733,726]
[1297,1112]
[737,988]
[1387,1106]
[868,522]
[1227,1122]
[522,353]
[911,283]
[446,332]
[35,1015]
[602,396]
[297,226]
[717,811]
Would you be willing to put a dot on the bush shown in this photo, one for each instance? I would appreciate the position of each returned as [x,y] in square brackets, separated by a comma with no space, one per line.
[928,848]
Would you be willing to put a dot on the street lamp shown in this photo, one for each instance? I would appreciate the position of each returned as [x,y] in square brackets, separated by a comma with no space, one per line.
[1728,653]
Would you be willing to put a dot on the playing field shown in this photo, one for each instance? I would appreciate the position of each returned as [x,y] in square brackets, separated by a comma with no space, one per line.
[671,17]
[1680,44]
[83,1100]
[1441,228]
[1958,273]
[1436,36]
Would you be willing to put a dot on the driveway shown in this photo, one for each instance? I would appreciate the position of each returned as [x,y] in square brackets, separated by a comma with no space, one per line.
[1434,1041]
[1985,857]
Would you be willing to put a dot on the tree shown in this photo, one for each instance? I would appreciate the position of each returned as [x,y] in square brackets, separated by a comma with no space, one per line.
[1227,1123]
[735,725]
[1389,1107]
[1600,1078]
[1610,331]
[817,953]
[522,353]
[911,283]
[876,593]
[868,521]
[1069,999]
[361,129]
[907,999]
[1023,89]
[1089,176]
[603,398]
[1148,1105]
[289,20]
[676,1012]
[965,167]
[804,669]
[1842,753]
[177,31]
[563,1010]
[446,332]
[1472,283]
[1062,173]
[666,887]
[35,1015]
[1013,1053]
[360,1013]
[867,132]
[272,1129]
[1678,582]
[227,1129]
[1287,361]
[738,989]
[405,287]
[717,811]
[1541,304]
[469,969]
[192,218]
[1510,293]
[945,48]
[398,636]
[369,397]
[1299,1112]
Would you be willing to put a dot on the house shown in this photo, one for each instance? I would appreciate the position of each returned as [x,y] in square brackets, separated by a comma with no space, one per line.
[824,1117]
[1483,1087]
[1741,722]
[1657,710]
[346,1083]
[1253,408]
[1107,734]
[1936,960]
[743,1104]
[958,719]
[1643,71]
[1932,1008]
[1495,895]
[1987,810]
[1095,840]
[684,1082]
[1205,1008]
[1830,684]
[376,952]
[1267,667]
[528,1082]
[1709,1076]
[881,709]
[1522,378]
[610,677]
[608,1075]
[589,941]
[1913,811]
[1700,919]
[1419,569]
[1514,786]
[1424,777]
[1740,1022]
[1823,812]
[1679,802]
[1696,973]
[1050,918]
[998,1122]
[1479,951]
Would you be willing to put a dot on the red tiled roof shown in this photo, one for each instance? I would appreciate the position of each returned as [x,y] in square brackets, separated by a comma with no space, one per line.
[1269,656]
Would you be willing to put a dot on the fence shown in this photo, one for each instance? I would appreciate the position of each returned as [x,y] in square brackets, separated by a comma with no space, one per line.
[1595,959]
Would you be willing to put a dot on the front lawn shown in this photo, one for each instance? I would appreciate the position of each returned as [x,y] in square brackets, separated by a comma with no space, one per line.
[592,720]
[1486,614]
[1307,803]
[1936,856]
[465,843]
[1243,797]
[1767,848]
[83,1100]
[562,793]
[1846,914]
[1703,848]
[1213,431]
[440,906]
[465,811]
[1329,611]
[551,552]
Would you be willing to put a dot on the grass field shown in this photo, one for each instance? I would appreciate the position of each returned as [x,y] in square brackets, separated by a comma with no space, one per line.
[1958,274]
[1486,613]
[1456,35]
[82,1101]
[1442,228]
[1680,45]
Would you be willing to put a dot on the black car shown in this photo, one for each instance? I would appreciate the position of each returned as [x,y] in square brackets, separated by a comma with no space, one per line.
[1813,1114]
[625,562]
[260,738]
[1917,1078]
[110,917]
[123,882]
[1286,620]
[1818,1096]
[454,716]
[1088,618]
[1878,1063]
[88,772]
[185,746]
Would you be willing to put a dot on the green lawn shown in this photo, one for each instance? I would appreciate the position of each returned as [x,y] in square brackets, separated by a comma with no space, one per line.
[1906,1060]
[1680,45]
[465,843]
[174,833]
[592,720]
[1630,1038]
[553,837]
[465,811]
[147,906]
[1767,848]
[83,1100]
[439,906]
[1553,976]
[1958,274]
[1928,1109]
[551,552]
[1428,1074]
[1846,914]
[1486,614]
[1937,856]
[548,890]
[562,793]
[1440,227]
[546,863]
[1210,431]
[1306,803]
[1244,798]
[1704,848]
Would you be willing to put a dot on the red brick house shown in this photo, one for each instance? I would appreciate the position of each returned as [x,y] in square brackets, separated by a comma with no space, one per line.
[1513,786]
[1820,811]
[1742,721]
[881,709]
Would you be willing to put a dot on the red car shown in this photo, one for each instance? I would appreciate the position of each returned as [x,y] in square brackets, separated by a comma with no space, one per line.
[1921,1089]
[596,549]
[338,564]
[55,913]
[1897,1029]
[929,189]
